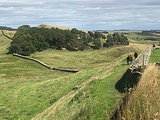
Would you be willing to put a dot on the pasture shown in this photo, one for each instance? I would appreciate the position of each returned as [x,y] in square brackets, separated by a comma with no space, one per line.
[29,90]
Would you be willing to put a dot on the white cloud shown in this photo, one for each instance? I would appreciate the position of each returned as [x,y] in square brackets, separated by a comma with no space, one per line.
[83,14]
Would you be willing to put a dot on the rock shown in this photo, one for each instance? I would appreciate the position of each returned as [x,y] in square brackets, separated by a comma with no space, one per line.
[75,88]
[158,64]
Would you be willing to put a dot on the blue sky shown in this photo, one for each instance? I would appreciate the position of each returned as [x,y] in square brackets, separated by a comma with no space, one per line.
[82,14]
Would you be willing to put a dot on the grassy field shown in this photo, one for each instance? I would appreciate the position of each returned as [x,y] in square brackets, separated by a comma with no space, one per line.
[4,43]
[142,39]
[155,56]
[97,100]
[81,60]
[28,90]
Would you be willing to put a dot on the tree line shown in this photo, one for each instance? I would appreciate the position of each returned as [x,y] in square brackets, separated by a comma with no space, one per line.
[116,39]
[28,40]
[6,28]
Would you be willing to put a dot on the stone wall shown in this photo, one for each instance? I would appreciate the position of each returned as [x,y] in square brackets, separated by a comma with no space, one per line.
[43,64]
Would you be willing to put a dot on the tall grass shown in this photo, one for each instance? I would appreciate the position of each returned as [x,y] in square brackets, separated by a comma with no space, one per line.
[144,103]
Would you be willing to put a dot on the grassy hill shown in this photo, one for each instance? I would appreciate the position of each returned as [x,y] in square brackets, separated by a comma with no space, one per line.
[28,90]
[5,42]
[50,26]
[59,27]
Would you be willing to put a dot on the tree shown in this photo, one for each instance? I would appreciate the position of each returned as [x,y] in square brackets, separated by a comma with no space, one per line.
[109,41]
[116,39]
[97,44]
[91,34]
[74,31]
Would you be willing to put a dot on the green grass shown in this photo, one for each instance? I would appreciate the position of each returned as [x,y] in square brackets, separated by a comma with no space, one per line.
[27,88]
[142,37]
[143,103]
[81,60]
[97,101]
[155,56]
[4,44]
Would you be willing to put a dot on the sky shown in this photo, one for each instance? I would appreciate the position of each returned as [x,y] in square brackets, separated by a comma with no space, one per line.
[82,14]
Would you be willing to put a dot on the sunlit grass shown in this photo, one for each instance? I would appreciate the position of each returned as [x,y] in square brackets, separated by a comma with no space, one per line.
[144,102]
[4,44]
[27,88]
[155,56]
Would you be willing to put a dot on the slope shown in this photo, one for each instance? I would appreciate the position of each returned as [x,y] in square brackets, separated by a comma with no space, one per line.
[27,88]
[5,42]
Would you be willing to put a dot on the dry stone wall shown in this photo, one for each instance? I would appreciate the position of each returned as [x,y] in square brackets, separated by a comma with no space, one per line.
[5,35]
[43,64]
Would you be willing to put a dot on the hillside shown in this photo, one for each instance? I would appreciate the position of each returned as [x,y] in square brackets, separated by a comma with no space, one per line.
[59,27]
[6,28]
[144,37]
[27,88]
[50,26]
[5,42]
[31,91]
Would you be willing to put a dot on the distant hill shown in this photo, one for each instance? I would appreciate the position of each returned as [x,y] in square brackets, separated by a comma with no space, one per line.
[59,27]
[50,26]
[6,28]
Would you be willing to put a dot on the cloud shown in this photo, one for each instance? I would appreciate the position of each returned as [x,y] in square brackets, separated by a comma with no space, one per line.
[82,14]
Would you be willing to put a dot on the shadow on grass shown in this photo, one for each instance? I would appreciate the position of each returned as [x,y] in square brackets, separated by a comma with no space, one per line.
[128,80]
[121,85]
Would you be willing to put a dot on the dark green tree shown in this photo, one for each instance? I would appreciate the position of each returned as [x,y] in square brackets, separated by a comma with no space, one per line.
[97,44]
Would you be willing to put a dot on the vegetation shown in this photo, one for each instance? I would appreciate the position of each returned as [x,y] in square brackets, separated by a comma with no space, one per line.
[4,42]
[28,40]
[152,38]
[144,104]
[6,28]
[28,88]
[96,100]
[25,93]
[116,39]
[155,56]
[144,37]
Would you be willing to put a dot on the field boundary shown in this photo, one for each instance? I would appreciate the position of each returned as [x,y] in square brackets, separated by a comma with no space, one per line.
[5,35]
[132,77]
[43,64]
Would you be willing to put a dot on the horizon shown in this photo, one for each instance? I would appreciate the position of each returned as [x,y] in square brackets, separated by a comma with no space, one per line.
[83,14]
[90,30]
[93,30]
